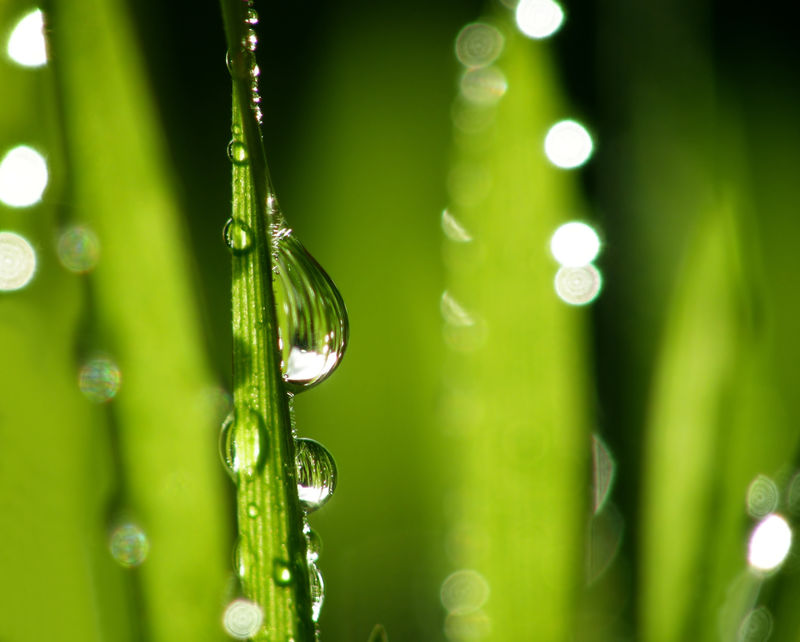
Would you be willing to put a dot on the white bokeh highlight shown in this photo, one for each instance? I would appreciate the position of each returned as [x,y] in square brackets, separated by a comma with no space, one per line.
[539,18]
[575,244]
[242,619]
[568,144]
[23,177]
[769,544]
[26,45]
[17,262]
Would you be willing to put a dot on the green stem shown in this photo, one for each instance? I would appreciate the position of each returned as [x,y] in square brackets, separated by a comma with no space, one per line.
[272,549]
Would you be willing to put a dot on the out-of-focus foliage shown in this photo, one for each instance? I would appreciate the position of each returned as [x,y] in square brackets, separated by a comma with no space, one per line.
[685,365]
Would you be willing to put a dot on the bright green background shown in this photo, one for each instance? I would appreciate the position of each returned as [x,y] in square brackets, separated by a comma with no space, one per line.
[686,365]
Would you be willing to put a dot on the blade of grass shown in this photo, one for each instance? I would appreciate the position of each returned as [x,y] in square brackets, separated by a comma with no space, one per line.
[522,441]
[272,554]
[144,307]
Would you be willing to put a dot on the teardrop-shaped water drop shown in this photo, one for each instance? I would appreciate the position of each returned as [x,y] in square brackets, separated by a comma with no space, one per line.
[317,587]
[238,236]
[237,152]
[312,319]
[243,443]
[316,473]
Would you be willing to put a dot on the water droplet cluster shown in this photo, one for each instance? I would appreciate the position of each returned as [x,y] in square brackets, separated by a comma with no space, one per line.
[311,335]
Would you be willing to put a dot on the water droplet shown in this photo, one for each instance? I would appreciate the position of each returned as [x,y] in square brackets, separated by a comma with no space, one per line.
[313,545]
[464,591]
[129,545]
[238,236]
[575,244]
[242,619]
[282,573]
[317,587]
[78,249]
[23,177]
[603,540]
[237,152]
[316,473]
[240,553]
[26,45]
[17,262]
[762,497]
[238,63]
[478,45]
[312,319]
[243,443]
[99,379]
[578,286]
[568,145]
[252,510]
[251,17]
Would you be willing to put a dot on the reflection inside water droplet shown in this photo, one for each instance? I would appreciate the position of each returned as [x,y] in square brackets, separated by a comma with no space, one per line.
[129,545]
[100,379]
[243,443]
[242,619]
[317,587]
[238,236]
[316,473]
[78,249]
[312,319]
[313,545]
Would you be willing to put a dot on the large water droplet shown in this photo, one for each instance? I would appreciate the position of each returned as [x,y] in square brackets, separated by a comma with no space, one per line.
[317,591]
[312,319]
[242,619]
[243,443]
[316,473]
[238,236]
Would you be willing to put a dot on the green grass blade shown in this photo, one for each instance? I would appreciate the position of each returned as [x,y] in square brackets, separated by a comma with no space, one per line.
[517,371]
[120,184]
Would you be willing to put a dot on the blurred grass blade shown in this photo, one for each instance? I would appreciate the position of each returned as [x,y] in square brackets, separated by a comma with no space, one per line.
[689,428]
[516,383]
[164,414]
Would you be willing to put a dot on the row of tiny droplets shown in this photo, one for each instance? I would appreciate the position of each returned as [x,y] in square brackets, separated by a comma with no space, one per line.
[24,178]
[574,245]
[312,334]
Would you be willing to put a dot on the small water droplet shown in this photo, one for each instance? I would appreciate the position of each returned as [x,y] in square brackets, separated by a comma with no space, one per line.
[129,545]
[99,379]
[317,587]
[312,319]
[604,470]
[250,40]
[282,573]
[243,443]
[240,557]
[251,17]
[316,473]
[238,63]
[17,262]
[252,510]
[313,545]
[242,619]
[378,634]
[238,236]
[237,152]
